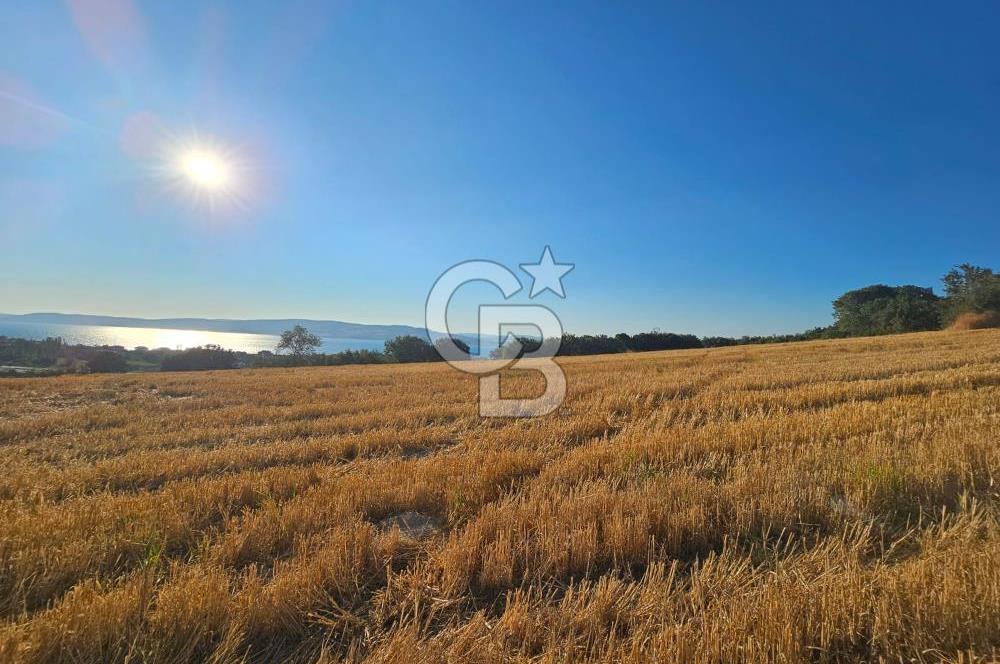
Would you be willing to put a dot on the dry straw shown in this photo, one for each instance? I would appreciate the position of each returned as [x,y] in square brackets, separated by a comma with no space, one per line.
[827,501]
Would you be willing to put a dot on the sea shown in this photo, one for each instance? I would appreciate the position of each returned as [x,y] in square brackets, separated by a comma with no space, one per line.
[152,337]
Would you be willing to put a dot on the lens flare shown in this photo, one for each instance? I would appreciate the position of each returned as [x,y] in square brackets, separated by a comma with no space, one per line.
[208,174]
[203,173]
[206,170]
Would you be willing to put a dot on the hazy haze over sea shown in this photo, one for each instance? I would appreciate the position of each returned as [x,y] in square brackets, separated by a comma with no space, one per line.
[130,337]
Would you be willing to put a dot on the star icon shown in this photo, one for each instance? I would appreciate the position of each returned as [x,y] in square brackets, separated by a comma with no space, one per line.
[546,274]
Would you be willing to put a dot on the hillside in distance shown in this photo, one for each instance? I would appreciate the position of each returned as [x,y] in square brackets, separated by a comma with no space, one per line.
[332,329]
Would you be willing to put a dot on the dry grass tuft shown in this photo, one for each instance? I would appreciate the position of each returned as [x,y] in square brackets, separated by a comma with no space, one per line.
[976,321]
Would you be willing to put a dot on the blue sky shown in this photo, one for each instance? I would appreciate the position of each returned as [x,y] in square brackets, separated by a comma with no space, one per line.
[721,170]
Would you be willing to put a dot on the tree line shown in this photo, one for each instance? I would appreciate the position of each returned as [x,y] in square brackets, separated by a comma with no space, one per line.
[971,300]
[298,347]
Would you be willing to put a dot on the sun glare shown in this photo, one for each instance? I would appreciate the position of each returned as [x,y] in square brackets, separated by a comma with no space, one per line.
[206,170]
[207,173]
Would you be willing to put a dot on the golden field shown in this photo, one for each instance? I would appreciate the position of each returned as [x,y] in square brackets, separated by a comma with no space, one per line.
[823,501]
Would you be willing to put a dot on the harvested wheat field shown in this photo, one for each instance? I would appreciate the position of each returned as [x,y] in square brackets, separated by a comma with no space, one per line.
[825,501]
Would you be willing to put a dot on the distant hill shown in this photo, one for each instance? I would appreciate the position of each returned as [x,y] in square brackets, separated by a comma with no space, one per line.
[331,329]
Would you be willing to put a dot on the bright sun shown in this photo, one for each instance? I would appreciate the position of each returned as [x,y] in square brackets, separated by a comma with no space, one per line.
[206,170]
[207,173]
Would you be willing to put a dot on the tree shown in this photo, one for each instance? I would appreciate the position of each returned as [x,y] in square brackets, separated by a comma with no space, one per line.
[202,358]
[107,361]
[590,344]
[409,348]
[657,340]
[718,342]
[971,289]
[299,341]
[516,347]
[880,309]
[461,345]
